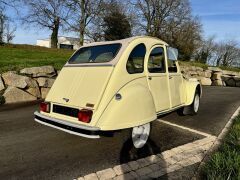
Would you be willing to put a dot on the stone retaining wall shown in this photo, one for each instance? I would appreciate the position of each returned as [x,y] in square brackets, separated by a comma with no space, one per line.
[213,76]
[27,85]
[34,83]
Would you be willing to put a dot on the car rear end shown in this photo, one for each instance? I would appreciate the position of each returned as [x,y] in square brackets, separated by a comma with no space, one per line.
[72,103]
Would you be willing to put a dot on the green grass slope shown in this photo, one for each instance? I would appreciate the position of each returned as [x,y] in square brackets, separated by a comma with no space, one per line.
[16,57]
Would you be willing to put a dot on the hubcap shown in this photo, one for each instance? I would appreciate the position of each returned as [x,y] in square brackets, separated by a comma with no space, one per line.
[196,103]
[140,135]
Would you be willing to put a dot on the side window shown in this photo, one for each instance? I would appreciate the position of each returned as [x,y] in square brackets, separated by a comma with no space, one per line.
[156,61]
[135,63]
[172,66]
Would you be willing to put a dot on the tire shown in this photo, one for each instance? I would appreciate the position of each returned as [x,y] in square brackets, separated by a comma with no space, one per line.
[130,152]
[194,107]
[140,135]
[137,141]
[180,111]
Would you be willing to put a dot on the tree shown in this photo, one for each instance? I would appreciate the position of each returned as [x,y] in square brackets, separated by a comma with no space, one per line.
[172,21]
[226,53]
[96,30]
[6,29]
[46,14]
[116,24]
[206,51]
[82,14]
[10,32]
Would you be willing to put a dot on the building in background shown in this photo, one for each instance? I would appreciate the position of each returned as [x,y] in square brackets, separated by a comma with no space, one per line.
[63,43]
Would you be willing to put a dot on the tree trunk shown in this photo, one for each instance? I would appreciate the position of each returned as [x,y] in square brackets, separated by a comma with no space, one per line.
[82,23]
[54,36]
[82,31]
[1,28]
[218,61]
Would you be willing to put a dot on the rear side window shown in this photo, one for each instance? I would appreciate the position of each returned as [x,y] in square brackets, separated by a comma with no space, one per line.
[156,61]
[95,54]
[135,63]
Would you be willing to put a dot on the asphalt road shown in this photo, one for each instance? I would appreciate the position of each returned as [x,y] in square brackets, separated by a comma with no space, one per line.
[29,150]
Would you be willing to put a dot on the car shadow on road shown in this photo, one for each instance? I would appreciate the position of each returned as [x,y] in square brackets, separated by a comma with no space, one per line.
[129,154]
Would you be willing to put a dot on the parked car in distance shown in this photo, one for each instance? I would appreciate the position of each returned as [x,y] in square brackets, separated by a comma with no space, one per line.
[117,85]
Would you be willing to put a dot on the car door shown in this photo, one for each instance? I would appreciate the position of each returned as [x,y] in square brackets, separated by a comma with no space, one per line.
[175,83]
[158,78]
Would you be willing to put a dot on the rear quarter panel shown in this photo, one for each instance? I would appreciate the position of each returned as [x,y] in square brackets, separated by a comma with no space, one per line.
[135,108]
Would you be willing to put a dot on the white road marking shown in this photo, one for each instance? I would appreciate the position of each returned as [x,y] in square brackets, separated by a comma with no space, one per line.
[186,128]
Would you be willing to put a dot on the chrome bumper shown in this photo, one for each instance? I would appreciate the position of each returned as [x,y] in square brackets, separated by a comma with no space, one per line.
[69,127]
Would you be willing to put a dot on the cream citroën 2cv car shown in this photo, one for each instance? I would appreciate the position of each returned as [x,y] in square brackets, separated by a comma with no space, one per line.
[115,85]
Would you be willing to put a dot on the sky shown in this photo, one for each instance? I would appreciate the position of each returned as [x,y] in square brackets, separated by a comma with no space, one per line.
[220,18]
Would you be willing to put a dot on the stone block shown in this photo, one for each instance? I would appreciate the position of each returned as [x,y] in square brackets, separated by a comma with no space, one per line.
[133,165]
[45,82]
[106,174]
[34,91]
[43,71]
[2,86]
[14,95]
[217,83]
[217,76]
[92,176]
[44,92]
[143,171]
[121,169]
[205,81]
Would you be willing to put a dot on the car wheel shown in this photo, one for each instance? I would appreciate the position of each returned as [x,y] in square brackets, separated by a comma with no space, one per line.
[196,103]
[194,107]
[140,135]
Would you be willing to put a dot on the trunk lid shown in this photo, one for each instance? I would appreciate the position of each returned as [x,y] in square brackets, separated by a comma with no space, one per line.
[79,86]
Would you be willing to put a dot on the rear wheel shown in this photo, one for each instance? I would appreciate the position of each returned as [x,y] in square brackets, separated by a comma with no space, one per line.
[140,135]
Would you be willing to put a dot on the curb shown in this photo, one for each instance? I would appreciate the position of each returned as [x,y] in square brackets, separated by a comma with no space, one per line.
[155,166]
[218,141]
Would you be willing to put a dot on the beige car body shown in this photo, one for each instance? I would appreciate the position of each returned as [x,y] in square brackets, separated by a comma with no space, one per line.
[144,95]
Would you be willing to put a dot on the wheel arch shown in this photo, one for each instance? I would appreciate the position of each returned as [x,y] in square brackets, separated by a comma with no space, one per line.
[191,88]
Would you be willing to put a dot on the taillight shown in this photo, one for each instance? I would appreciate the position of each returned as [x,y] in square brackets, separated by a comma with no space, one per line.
[45,107]
[85,115]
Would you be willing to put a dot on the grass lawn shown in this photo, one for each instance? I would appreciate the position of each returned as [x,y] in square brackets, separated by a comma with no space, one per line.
[225,163]
[16,57]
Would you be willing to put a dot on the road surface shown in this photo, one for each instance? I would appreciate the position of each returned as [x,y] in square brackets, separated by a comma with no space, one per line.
[29,150]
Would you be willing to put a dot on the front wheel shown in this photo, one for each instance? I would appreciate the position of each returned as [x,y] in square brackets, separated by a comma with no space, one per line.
[140,135]
[194,107]
[191,109]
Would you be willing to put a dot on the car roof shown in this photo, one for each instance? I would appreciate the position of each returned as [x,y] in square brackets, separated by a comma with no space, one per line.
[125,41]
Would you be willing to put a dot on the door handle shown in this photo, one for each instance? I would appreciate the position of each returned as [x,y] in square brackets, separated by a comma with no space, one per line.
[170,77]
[150,78]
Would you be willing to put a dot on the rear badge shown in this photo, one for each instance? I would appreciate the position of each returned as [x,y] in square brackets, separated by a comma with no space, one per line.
[66,99]
[89,105]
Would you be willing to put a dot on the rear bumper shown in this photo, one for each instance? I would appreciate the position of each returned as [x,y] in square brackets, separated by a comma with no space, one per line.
[72,128]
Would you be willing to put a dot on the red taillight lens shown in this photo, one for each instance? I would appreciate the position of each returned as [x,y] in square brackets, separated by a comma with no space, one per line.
[85,115]
[45,107]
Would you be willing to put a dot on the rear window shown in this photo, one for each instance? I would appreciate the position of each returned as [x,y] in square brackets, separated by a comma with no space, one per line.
[95,54]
